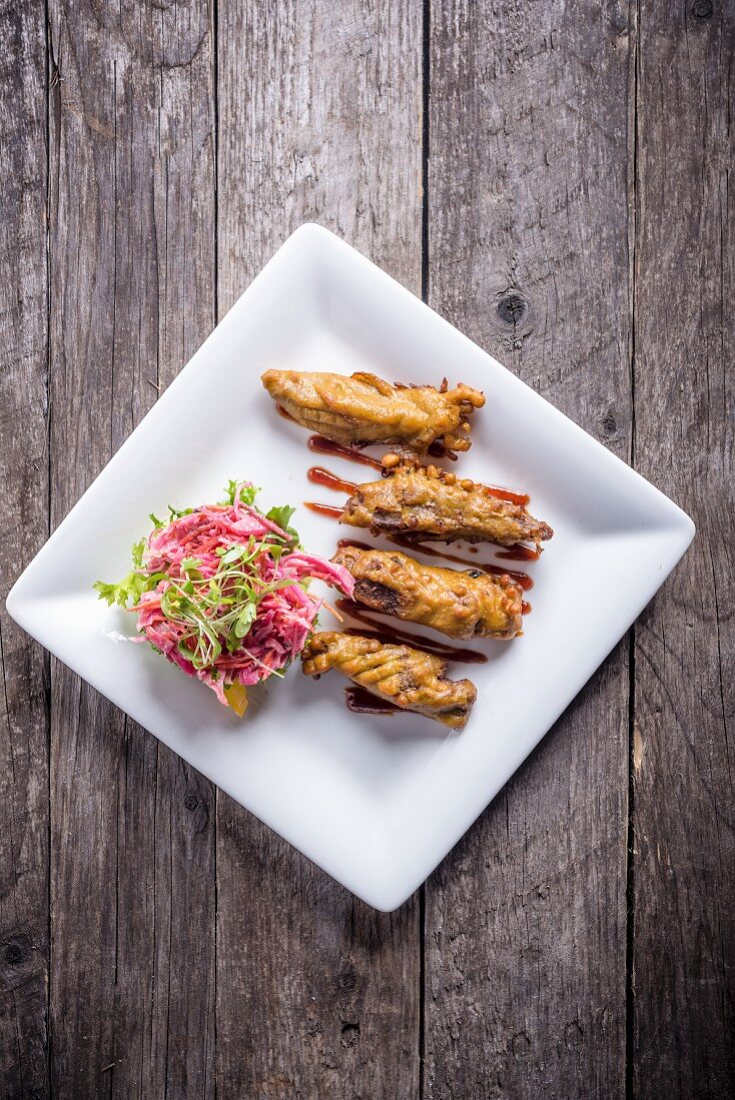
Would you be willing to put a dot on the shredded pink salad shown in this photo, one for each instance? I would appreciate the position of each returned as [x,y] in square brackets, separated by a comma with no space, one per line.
[221,591]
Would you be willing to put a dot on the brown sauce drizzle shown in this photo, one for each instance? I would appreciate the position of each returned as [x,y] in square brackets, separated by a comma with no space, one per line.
[354,542]
[324,446]
[525,608]
[323,509]
[319,476]
[320,445]
[438,450]
[390,635]
[507,494]
[519,552]
[361,701]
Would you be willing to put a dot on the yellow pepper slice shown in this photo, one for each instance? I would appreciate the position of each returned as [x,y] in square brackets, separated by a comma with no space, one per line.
[237,698]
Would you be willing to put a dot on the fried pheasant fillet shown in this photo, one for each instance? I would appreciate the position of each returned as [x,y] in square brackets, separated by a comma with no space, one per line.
[363,409]
[427,503]
[406,677]
[467,604]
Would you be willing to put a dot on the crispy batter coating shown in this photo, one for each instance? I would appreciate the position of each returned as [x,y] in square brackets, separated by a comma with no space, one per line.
[427,503]
[363,409]
[467,604]
[406,677]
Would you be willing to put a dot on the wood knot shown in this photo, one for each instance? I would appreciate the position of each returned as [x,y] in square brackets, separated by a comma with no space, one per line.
[15,955]
[520,1045]
[350,1032]
[199,811]
[609,423]
[512,308]
[17,950]
[702,9]
[348,979]
[16,961]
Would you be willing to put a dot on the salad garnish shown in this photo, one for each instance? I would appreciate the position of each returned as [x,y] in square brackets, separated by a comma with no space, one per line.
[222,591]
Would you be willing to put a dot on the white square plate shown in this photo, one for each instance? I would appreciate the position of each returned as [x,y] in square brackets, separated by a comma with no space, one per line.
[377,802]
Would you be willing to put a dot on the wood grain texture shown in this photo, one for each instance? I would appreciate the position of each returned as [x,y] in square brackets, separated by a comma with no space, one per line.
[579,223]
[24,505]
[684,819]
[528,246]
[132,295]
[319,119]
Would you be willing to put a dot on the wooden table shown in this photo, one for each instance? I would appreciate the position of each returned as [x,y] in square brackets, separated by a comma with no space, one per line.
[554,179]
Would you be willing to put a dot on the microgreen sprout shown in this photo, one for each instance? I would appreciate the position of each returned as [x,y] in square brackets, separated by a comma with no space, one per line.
[218,610]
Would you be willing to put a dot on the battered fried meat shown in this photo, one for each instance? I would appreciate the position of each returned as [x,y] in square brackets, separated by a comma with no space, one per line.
[406,677]
[467,604]
[427,503]
[363,409]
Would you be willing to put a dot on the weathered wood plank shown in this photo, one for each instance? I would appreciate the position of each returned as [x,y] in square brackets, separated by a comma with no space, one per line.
[527,200]
[319,112]
[24,506]
[132,295]
[683,795]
